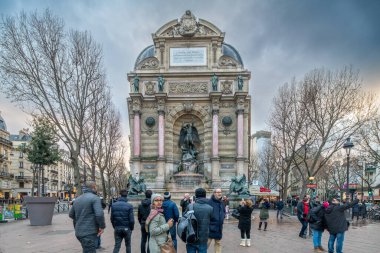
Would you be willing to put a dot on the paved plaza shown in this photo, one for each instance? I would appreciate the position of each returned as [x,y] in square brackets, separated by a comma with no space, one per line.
[20,237]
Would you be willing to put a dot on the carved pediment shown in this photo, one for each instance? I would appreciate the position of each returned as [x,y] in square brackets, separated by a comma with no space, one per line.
[188,87]
[149,63]
[188,26]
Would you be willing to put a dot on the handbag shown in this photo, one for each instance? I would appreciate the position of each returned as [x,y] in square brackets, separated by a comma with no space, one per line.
[168,246]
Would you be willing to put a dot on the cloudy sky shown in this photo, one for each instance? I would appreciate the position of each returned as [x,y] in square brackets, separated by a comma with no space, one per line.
[276,39]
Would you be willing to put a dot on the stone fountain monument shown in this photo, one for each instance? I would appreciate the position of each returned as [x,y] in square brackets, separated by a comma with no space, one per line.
[189,109]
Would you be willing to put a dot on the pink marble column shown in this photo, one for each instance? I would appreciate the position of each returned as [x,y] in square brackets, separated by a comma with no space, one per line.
[136,135]
[240,130]
[161,134]
[215,137]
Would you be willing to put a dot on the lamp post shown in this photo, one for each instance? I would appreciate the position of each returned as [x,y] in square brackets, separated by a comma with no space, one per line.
[347,146]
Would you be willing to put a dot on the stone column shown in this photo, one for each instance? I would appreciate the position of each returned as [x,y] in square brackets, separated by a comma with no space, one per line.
[215,161]
[136,134]
[215,136]
[240,131]
[136,100]
[161,133]
[240,99]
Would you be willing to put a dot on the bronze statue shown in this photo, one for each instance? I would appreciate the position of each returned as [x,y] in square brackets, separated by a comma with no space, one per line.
[239,185]
[136,81]
[214,82]
[188,140]
[136,185]
[161,82]
[240,82]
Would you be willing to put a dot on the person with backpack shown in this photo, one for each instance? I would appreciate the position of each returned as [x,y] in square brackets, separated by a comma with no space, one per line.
[171,212]
[264,213]
[123,222]
[318,224]
[185,202]
[203,213]
[302,211]
[245,210]
[336,223]
[156,225]
[217,219]
[280,206]
[142,214]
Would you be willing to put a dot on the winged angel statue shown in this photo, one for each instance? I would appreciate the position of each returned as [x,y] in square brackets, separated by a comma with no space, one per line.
[188,140]
[239,185]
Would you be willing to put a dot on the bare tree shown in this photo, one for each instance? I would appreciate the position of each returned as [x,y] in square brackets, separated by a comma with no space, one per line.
[45,69]
[267,167]
[370,138]
[328,107]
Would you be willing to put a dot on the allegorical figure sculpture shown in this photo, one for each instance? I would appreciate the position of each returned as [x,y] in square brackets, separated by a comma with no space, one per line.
[214,82]
[161,82]
[188,140]
[136,185]
[239,185]
[136,81]
[240,82]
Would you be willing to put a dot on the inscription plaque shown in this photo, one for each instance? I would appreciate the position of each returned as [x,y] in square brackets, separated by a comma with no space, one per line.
[193,56]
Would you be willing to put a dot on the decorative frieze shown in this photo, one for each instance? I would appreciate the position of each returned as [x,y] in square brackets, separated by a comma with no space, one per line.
[149,88]
[226,87]
[188,87]
[151,63]
[225,62]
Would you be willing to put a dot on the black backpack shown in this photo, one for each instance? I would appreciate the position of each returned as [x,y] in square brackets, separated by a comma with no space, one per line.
[309,216]
[187,228]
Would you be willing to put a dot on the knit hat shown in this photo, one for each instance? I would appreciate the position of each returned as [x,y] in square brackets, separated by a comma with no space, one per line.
[325,204]
[154,196]
[167,195]
[200,193]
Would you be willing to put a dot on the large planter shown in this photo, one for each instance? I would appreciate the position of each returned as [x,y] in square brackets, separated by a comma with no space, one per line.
[40,210]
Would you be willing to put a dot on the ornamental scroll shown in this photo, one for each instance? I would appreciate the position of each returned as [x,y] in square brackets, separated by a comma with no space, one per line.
[188,87]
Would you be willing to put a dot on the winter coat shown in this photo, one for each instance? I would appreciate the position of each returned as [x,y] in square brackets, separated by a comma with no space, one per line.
[318,215]
[184,203]
[122,214]
[335,217]
[363,209]
[264,210]
[158,233]
[217,218]
[280,205]
[170,210]
[143,211]
[87,214]
[245,217]
[355,209]
[203,212]
[301,213]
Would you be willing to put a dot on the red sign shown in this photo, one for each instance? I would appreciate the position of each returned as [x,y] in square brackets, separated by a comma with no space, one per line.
[311,186]
[263,189]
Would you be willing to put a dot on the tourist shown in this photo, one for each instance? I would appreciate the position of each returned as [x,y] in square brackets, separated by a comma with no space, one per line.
[217,219]
[143,212]
[171,212]
[226,203]
[88,217]
[302,211]
[123,222]
[185,202]
[280,208]
[245,210]
[336,223]
[203,212]
[363,210]
[264,213]
[156,225]
[318,224]
[355,211]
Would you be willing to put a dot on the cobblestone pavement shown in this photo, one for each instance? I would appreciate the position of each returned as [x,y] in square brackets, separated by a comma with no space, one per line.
[282,236]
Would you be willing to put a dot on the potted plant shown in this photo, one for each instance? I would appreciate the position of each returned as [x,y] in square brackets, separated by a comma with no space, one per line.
[41,151]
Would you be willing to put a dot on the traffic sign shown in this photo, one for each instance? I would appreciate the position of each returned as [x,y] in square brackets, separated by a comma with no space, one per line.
[263,189]
[311,186]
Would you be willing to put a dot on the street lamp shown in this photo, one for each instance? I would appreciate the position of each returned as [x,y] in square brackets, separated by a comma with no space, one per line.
[347,146]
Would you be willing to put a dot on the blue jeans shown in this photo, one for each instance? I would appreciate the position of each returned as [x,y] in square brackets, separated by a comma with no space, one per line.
[173,234]
[303,228]
[120,234]
[99,242]
[339,242]
[317,237]
[144,240]
[196,248]
[88,243]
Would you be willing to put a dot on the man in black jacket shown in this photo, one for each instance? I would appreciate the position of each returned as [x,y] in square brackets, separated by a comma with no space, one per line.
[142,214]
[336,223]
[122,221]
[217,219]
[203,213]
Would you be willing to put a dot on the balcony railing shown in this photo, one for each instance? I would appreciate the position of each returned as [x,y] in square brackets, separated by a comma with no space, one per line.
[54,171]
[23,178]
[54,181]
[5,142]
[4,174]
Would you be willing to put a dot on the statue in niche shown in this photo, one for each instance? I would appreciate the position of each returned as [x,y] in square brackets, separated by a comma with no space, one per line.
[161,82]
[214,82]
[240,82]
[239,185]
[136,185]
[136,81]
[188,140]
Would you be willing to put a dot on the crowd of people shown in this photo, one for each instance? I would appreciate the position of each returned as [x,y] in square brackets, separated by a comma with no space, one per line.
[158,217]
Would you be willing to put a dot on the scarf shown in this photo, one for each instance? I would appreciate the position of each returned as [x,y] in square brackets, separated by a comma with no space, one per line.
[153,213]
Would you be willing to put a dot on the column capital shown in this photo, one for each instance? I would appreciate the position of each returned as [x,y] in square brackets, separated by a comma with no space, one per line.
[161,112]
[215,111]
[239,111]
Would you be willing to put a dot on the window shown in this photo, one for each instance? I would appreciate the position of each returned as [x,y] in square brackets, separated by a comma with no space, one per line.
[21,185]
[21,174]
[21,166]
